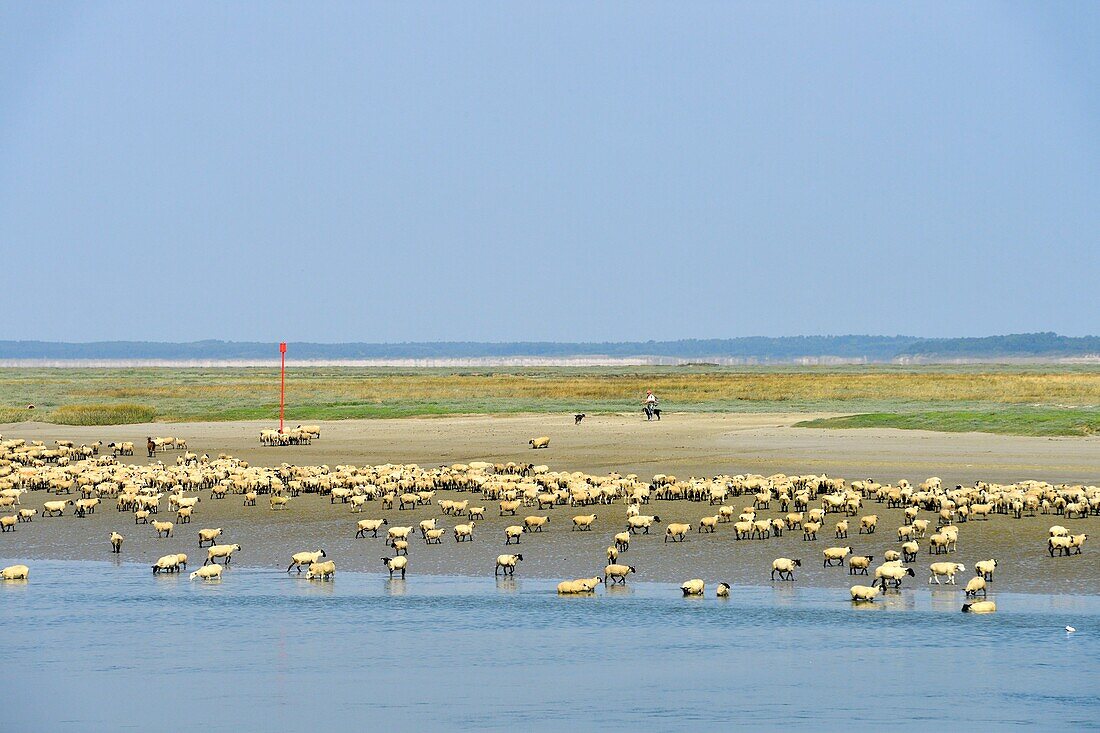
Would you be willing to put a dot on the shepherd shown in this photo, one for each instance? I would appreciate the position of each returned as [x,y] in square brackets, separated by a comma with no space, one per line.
[650,406]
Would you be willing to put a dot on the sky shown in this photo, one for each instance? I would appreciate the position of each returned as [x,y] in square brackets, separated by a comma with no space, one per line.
[501,171]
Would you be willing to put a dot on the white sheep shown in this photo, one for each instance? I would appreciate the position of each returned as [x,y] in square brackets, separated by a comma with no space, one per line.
[583,522]
[116,542]
[513,532]
[835,555]
[979,607]
[723,590]
[167,564]
[464,532]
[985,568]
[507,563]
[15,572]
[305,559]
[208,536]
[581,585]
[164,528]
[944,569]
[208,572]
[785,567]
[863,593]
[321,570]
[225,551]
[617,573]
[974,586]
[693,587]
[369,525]
[396,564]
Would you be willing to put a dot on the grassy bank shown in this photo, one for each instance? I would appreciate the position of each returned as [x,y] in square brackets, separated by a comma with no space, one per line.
[1011,421]
[100,396]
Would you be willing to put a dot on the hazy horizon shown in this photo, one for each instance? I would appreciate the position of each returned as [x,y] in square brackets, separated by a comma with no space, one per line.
[350,172]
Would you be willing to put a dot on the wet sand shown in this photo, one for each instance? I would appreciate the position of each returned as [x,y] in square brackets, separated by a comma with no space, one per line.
[680,444]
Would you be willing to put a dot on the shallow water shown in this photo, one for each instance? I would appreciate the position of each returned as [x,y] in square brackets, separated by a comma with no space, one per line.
[95,646]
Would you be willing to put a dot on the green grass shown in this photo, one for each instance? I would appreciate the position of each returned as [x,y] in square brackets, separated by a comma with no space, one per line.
[1011,421]
[983,396]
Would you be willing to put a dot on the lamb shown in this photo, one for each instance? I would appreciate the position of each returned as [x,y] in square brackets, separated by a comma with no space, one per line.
[1076,542]
[426,525]
[868,524]
[476,512]
[642,522]
[785,567]
[893,574]
[513,532]
[397,533]
[743,530]
[250,498]
[1061,544]
[622,541]
[859,564]
[842,529]
[909,550]
[693,587]
[974,586]
[116,542]
[141,516]
[26,515]
[809,530]
[464,532]
[507,563]
[434,536]
[676,531]
[167,564]
[540,442]
[396,564]
[321,570]
[15,572]
[1059,531]
[835,555]
[979,607]
[7,524]
[581,585]
[225,551]
[369,525]
[535,523]
[892,556]
[939,543]
[163,527]
[208,572]
[946,569]
[209,535]
[708,524]
[510,507]
[50,507]
[304,559]
[985,568]
[617,573]
[583,522]
[183,514]
[612,554]
[863,593]
[279,502]
[723,590]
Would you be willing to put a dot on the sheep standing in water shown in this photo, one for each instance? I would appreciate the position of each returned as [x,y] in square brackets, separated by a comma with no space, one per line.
[507,563]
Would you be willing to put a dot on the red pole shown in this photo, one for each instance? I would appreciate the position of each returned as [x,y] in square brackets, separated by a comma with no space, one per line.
[282,383]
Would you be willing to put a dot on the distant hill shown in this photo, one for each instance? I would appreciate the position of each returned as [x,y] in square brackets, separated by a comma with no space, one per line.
[881,349]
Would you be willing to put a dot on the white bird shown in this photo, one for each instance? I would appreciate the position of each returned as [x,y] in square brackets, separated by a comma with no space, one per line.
[1070,629]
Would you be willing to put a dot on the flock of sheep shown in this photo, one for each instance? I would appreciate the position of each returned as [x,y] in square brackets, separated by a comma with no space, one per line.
[168,496]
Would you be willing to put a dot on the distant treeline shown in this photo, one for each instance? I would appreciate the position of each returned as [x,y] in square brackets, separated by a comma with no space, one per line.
[870,348]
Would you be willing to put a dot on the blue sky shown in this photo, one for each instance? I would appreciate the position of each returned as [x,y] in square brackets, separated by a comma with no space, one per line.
[547,171]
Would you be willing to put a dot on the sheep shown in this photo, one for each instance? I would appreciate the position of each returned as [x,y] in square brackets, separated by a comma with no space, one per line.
[250,498]
[26,515]
[116,542]
[676,531]
[612,554]
[15,572]
[835,555]
[617,573]
[859,564]
[842,529]
[1061,544]
[507,564]
[892,556]
[7,524]
[369,525]
[909,550]
[1059,531]
[785,567]
[893,574]
[974,586]
[723,590]
[581,585]
[208,572]
[947,569]
[167,564]
[50,507]
[979,607]
[985,569]
[693,587]
[540,442]
[209,535]
[642,522]
[183,514]
[434,536]
[622,541]
[304,559]
[743,530]
[321,570]
[141,516]
[464,532]
[863,593]
[397,533]
[1077,541]
[426,525]
[396,564]
[809,530]
[278,502]
[163,527]
[868,524]
[400,547]
[225,551]
[535,523]
[939,543]
[708,524]
[510,507]
[513,532]
[583,522]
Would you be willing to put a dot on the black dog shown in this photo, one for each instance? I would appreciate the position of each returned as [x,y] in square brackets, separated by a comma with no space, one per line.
[577,418]
[651,412]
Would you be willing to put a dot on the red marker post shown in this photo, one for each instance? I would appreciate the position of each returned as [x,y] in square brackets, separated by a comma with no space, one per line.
[282,383]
